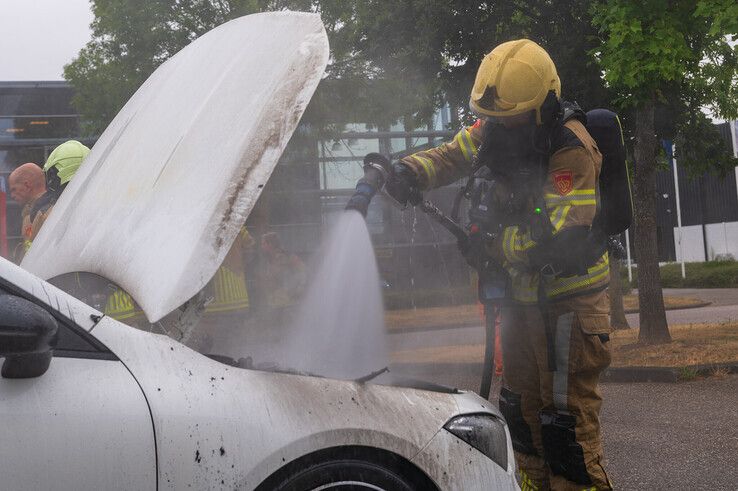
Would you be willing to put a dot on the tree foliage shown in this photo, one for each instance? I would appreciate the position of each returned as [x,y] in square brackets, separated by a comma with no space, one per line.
[389,60]
[678,56]
[682,54]
[130,39]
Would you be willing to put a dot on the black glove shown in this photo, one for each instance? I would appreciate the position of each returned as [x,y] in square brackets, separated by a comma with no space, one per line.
[361,198]
[402,185]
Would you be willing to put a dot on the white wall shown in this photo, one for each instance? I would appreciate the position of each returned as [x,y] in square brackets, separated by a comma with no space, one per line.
[692,244]
[722,238]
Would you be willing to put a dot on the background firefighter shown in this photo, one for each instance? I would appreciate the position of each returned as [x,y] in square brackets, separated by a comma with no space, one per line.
[28,188]
[543,167]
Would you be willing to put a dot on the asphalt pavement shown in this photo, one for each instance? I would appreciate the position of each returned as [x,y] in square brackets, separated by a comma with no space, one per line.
[723,308]
[681,436]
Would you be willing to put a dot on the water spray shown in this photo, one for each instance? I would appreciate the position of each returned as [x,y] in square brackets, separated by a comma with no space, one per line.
[492,279]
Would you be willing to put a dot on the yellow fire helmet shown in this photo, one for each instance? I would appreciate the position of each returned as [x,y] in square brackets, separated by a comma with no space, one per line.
[512,79]
[67,158]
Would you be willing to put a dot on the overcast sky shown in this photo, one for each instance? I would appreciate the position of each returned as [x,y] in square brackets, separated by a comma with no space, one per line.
[39,37]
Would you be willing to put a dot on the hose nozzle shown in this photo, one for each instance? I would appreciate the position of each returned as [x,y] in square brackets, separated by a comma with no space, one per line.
[376,170]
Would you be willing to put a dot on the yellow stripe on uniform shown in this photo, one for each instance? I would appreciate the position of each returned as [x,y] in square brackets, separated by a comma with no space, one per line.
[524,285]
[120,305]
[229,291]
[528,484]
[558,217]
[459,138]
[514,244]
[596,273]
[553,200]
[430,169]
[467,135]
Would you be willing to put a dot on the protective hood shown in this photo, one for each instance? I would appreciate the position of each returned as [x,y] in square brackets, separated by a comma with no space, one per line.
[160,199]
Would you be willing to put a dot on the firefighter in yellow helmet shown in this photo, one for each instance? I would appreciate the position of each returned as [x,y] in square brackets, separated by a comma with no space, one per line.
[555,328]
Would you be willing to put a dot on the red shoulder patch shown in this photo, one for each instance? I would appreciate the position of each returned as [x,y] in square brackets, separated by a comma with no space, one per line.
[563,181]
[477,123]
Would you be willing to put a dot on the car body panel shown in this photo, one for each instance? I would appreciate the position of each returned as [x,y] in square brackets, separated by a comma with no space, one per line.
[214,422]
[215,425]
[157,204]
[84,424]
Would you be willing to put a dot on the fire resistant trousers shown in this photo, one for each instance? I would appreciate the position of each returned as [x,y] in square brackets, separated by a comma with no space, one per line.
[554,415]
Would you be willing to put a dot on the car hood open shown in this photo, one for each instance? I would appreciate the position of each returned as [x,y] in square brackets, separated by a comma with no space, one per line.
[160,199]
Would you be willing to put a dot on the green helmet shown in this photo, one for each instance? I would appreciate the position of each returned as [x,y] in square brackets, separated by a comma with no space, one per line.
[66,159]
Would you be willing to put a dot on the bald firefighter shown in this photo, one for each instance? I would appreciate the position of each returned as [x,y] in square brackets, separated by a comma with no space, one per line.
[544,166]
[28,188]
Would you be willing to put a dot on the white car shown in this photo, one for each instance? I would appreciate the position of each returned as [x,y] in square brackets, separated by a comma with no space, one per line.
[87,402]
[120,408]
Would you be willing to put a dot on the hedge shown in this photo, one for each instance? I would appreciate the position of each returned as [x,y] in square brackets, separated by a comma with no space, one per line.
[711,274]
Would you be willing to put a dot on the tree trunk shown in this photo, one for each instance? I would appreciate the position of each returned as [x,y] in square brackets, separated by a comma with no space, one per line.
[617,312]
[652,315]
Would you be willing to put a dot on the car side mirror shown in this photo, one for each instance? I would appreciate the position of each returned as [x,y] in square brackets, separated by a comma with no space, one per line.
[27,337]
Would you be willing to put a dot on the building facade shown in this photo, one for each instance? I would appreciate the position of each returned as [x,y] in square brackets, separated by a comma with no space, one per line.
[709,211]
[35,117]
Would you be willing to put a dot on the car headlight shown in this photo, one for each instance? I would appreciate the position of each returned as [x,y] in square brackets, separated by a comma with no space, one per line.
[484,432]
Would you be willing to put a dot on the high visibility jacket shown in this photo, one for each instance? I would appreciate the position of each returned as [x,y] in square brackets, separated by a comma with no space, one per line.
[121,307]
[227,289]
[228,286]
[570,193]
[33,216]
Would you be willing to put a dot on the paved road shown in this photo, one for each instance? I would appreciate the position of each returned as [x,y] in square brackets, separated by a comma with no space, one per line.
[676,436]
[724,308]
[718,296]
[680,436]
[712,314]
[672,436]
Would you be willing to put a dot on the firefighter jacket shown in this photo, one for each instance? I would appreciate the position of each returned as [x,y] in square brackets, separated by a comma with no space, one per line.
[228,287]
[33,216]
[570,193]
[226,291]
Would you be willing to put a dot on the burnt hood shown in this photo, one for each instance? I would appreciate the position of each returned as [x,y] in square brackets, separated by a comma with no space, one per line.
[159,201]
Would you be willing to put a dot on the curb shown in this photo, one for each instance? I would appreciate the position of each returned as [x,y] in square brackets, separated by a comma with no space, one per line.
[685,307]
[664,374]
[442,327]
[433,327]
[611,375]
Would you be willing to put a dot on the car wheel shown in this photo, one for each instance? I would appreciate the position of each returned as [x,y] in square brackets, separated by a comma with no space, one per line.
[345,475]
